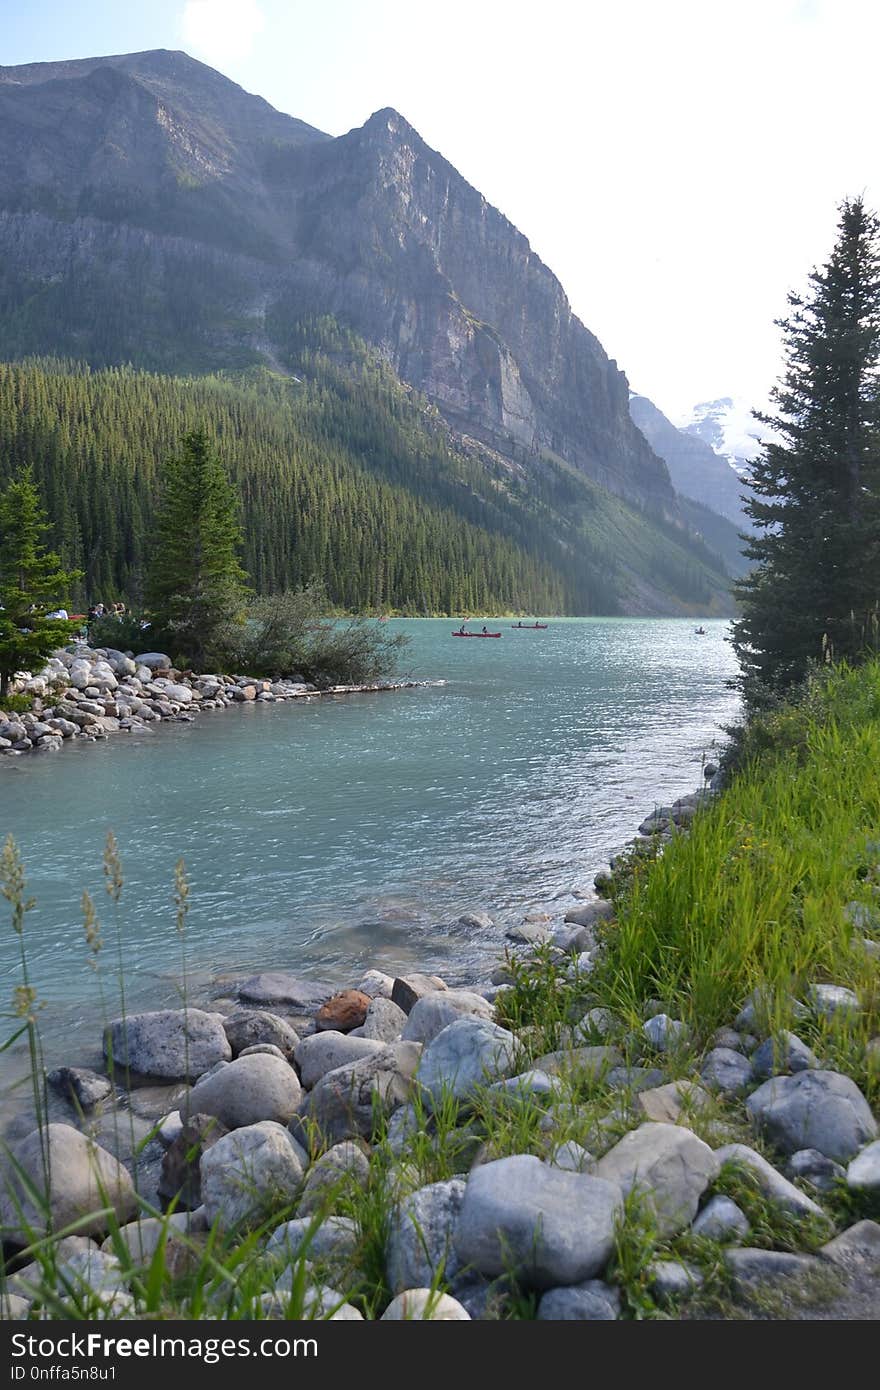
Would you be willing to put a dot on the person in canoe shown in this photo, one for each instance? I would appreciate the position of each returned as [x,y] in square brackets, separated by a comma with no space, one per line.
[461,631]
[485,629]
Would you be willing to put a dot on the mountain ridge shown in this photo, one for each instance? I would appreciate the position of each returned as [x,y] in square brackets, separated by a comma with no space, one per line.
[372,226]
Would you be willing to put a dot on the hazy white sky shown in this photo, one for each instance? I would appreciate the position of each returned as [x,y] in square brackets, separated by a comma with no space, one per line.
[677,163]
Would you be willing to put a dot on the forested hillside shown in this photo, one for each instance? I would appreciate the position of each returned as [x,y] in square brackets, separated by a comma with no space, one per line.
[345,475]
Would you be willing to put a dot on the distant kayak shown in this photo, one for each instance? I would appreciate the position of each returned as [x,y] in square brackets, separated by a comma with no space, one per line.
[528,627]
[476,634]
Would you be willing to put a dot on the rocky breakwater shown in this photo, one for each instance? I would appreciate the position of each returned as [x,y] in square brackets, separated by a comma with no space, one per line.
[83,693]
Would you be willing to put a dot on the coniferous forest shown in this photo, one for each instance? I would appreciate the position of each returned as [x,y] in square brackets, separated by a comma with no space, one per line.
[346,477]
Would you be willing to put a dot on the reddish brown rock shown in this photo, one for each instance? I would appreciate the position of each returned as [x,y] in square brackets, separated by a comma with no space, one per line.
[344,1011]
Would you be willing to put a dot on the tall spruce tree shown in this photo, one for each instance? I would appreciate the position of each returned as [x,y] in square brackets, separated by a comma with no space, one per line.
[32,582]
[195,584]
[815,589]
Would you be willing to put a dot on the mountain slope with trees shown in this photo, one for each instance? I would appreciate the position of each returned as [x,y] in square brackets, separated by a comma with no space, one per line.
[345,476]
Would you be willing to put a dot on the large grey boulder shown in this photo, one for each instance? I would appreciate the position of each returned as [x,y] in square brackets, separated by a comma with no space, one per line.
[250,1089]
[771,1183]
[323,1052]
[282,987]
[547,1226]
[247,1173]
[343,1167]
[251,1027]
[669,1164]
[385,1020]
[84,1181]
[169,1044]
[421,1245]
[591,1301]
[467,1054]
[344,1103]
[821,1110]
[433,1012]
[784,1052]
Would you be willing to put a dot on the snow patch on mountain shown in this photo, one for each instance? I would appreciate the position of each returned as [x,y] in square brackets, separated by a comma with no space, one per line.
[728,426]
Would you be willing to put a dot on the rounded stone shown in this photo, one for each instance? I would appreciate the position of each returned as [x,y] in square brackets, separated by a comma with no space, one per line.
[250,1089]
[250,1027]
[85,1181]
[822,1110]
[170,1044]
[549,1226]
[248,1172]
[425,1305]
[721,1219]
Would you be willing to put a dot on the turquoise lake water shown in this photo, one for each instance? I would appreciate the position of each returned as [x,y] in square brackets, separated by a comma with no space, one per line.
[344,833]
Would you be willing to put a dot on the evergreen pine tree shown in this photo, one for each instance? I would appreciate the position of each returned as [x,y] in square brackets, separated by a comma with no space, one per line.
[816,492]
[195,584]
[32,582]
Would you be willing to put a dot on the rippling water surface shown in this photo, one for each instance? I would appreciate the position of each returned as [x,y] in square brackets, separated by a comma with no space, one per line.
[344,832]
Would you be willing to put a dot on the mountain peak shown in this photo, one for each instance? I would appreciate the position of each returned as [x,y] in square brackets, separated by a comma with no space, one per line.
[389,123]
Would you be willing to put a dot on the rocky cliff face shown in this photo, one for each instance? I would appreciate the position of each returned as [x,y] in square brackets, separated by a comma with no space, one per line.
[216,218]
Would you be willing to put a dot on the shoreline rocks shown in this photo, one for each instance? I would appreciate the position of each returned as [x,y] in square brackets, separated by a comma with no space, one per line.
[304,1097]
[92,693]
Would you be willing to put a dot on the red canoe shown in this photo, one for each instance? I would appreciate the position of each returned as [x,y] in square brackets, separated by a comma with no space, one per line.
[476,634]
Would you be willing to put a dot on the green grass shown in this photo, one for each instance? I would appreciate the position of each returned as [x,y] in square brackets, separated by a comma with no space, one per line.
[755,895]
